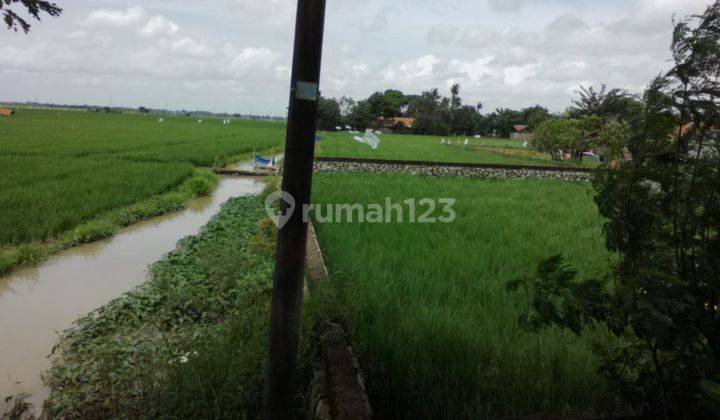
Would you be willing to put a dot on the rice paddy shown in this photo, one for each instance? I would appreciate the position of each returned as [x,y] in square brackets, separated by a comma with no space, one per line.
[61,168]
[436,331]
[431,148]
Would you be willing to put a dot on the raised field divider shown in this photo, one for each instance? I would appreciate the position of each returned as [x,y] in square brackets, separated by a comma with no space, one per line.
[467,170]
[338,388]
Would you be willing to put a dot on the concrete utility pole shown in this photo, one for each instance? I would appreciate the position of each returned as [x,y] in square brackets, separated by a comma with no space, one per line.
[292,237]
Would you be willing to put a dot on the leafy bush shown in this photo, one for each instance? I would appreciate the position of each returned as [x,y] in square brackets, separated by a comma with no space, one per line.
[555,135]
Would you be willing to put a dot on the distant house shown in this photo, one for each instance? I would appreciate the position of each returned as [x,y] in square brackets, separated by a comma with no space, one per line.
[521,132]
[707,149]
[390,125]
[6,112]
[684,131]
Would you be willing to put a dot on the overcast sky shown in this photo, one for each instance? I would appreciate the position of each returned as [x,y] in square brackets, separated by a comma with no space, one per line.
[234,55]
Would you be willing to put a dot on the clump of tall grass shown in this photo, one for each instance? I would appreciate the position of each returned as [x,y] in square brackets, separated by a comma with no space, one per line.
[30,253]
[25,254]
[220,162]
[92,231]
[171,201]
[202,183]
[7,261]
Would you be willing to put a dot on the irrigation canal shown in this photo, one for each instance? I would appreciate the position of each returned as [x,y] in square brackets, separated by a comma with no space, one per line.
[38,303]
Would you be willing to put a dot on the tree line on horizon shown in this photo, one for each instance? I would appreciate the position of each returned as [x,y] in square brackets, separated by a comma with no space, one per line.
[440,115]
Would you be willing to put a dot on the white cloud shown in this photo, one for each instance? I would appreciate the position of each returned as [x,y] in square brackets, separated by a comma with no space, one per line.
[190,48]
[506,5]
[389,75]
[566,23]
[475,70]
[360,70]
[514,75]
[117,18]
[421,67]
[236,54]
[444,34]
[252,58]
[376,21]
[159,26]
[264,12]
[282,73]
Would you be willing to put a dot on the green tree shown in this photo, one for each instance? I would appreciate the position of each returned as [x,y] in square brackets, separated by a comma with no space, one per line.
[394,102]
[612,139]
[467,118]
[361,116]
[455,103]
[663,212]
[33,7]
[387,104]
[604,103]
[328,114]
[534,116]
[431,113]
[554,136]
[503,120]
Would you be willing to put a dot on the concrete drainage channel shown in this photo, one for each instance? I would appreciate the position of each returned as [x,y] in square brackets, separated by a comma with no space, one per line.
[338,388]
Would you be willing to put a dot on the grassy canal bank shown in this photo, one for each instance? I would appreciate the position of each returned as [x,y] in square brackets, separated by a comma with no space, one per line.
[198,183]
[191,342]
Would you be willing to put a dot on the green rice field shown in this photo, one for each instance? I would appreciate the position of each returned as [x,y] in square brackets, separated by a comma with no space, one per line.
[63,171]
[436,332]
[60,168]
[430,148]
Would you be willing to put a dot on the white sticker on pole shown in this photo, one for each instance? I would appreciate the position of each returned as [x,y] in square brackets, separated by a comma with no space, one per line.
[307,91]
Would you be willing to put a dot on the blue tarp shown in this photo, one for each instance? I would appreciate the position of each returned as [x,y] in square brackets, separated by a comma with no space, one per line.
[259,160]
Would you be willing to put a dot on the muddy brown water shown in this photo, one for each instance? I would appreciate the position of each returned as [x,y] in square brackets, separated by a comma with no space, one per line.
[38,303]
